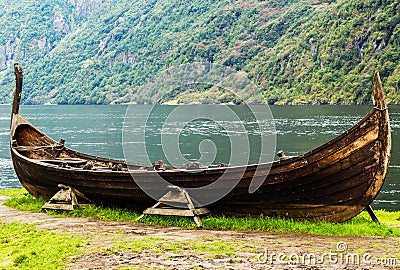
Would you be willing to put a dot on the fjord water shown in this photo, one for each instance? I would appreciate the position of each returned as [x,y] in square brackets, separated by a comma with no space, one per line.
[98,130]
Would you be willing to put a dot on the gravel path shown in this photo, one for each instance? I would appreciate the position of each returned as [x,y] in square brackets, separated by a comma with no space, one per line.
[251,250]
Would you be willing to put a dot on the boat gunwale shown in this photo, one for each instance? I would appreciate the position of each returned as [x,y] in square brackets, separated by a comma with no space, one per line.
[254,166]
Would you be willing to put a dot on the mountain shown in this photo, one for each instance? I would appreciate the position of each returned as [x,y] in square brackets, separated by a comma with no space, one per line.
[296,52]
[33,29]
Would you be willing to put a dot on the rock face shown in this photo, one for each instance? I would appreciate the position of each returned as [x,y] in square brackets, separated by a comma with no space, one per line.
[8,51]
[32,38]
[60,24]
[85,8]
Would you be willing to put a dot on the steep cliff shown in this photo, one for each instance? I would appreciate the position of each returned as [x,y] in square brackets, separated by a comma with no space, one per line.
[297,52]
[32,29]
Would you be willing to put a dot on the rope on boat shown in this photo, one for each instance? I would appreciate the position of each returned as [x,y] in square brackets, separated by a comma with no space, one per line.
[26,148]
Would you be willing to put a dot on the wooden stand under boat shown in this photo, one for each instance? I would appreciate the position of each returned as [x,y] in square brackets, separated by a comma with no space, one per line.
[180,196]
[66,198]
[333,182]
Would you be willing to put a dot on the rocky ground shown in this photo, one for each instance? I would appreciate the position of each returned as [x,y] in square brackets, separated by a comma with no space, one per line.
[250,250]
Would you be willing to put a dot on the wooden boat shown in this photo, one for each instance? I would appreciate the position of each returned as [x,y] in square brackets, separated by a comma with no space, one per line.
[333,182]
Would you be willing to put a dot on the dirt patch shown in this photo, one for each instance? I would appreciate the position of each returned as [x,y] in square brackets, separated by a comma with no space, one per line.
[178,248]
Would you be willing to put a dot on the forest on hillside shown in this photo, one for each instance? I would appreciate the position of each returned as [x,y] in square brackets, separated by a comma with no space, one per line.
[296,52]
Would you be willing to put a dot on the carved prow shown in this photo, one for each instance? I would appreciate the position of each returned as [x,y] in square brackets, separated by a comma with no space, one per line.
[377,96]
[17,92]
[18,88]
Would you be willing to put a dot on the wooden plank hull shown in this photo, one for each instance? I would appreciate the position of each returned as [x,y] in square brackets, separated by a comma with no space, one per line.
[334,182]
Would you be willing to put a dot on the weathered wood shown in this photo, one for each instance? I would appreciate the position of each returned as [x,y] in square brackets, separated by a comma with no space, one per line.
[180,196]
[168,211]
[372,214]
[333,182]
[17,92]
[64,195]
[66,199]
[59,206]
[174,196]
[378,95]
[66,161]
[57,152]
[18,88]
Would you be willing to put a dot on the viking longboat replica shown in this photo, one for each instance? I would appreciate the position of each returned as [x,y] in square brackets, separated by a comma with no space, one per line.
[333,182]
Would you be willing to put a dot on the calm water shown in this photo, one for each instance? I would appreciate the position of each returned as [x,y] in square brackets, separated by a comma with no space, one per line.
[98,130]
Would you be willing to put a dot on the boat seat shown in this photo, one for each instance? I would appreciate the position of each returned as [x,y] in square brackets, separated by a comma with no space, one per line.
[283,156]
[193,166]
[68,161]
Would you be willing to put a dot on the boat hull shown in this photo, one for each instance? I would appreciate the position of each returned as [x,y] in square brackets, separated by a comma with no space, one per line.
[333,182]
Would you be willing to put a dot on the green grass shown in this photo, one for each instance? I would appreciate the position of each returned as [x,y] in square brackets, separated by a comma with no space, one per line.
[360,225]
[24,247]
[13,192]
[23,201]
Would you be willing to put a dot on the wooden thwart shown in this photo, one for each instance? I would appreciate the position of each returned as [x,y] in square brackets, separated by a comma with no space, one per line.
[176,196]
[66,199]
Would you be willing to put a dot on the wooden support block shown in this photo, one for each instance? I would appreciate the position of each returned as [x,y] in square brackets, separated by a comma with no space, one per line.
[58,206]
[169,212]
[66,199]
[372,214]
[176,196]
